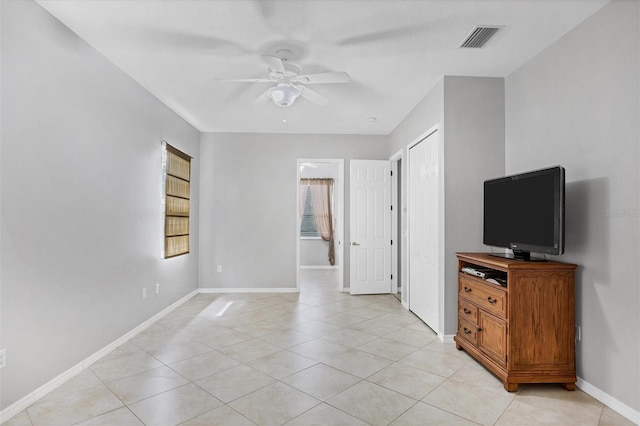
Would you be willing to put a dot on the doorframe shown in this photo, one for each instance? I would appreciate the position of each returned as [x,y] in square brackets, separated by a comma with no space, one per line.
[338,209]
[441,225]
[395,217]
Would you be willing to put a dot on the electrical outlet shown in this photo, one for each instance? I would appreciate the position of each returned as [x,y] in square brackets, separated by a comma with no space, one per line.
[144,293]
[578,333]
[3,358]
[219,268]
[157,288]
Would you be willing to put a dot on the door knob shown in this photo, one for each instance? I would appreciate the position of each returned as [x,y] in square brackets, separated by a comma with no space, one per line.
[355,244]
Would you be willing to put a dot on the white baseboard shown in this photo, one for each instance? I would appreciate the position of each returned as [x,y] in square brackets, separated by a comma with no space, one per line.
[214,290]
[319,267]
[26,401]
[611,402]
[446,338]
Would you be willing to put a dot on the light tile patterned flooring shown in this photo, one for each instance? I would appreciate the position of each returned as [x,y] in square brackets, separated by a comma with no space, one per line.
[315,358]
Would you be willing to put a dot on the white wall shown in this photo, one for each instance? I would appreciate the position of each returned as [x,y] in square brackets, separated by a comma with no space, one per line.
[470,115]
[81,191]
[314,252]
[474,142]
[248,203]
[577,104]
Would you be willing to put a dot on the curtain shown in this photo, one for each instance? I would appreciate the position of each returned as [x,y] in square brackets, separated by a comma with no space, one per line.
[303,195]
[321,198]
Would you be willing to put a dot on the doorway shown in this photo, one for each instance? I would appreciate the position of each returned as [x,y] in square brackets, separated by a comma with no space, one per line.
[398,220]
[315,272]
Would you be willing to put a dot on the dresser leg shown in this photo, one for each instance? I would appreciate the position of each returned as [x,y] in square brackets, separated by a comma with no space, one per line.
[569,386]
[458,347]
[510,387]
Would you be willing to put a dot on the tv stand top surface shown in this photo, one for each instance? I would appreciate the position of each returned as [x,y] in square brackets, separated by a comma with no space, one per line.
[521,259]
[502,263]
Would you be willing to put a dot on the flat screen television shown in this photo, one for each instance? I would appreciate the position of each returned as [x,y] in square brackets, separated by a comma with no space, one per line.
[525,213]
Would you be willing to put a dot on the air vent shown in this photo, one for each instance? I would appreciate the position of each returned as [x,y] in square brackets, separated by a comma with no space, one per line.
[479,37]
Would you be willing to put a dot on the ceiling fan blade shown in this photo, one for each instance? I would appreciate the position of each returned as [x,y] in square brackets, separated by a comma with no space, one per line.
[314,97]
[246,80]
[400,32]
[179,41]
[274,63]
[264,97]
[322,78]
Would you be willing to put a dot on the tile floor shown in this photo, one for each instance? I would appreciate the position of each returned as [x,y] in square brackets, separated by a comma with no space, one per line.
[315,358]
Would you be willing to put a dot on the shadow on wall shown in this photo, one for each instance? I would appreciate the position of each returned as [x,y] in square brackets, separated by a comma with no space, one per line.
[588,244]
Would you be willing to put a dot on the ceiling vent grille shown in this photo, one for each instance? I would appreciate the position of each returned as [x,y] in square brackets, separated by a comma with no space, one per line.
[479,37]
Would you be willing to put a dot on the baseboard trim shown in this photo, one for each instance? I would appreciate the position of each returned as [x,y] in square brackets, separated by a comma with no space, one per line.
[26,401]
[446,338]
[213,290]
[611,402]
[319,267]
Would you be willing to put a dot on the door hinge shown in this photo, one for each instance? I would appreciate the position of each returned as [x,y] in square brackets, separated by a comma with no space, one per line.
[391,172]
[391,242]
[391,276]
[391,207]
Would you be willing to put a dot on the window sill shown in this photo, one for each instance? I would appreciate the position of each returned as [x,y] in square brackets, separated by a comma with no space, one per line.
[310,238]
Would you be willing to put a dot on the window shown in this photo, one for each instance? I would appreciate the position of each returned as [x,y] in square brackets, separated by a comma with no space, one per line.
[308,225]
[176,167]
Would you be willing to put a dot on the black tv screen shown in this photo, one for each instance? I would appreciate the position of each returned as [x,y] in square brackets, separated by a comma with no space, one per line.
[525,212]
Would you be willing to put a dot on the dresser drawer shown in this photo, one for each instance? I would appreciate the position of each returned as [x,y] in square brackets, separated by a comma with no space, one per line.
[468,331]
[467,312]
[485,296]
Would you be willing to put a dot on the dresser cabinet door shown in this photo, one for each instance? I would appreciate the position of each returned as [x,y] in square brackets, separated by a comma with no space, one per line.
[492,337]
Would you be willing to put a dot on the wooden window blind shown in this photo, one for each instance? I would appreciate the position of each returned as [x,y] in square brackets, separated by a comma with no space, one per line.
[177,202]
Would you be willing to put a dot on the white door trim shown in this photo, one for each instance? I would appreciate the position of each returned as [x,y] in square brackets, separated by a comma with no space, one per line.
[338,196]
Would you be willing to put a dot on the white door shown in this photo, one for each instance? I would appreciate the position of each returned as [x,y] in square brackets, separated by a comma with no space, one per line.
[370,223]
[424,254]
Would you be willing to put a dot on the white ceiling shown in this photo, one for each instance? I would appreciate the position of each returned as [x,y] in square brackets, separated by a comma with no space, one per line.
[394,50]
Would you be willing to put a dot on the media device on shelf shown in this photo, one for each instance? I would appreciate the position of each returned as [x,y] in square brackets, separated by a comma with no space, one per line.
[525,213]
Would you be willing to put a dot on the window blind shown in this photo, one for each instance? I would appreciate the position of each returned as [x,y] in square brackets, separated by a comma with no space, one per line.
[177,202]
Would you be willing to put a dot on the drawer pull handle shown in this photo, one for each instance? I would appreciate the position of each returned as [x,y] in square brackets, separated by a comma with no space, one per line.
[467,331]
[466,311]
[479,329]
[492,301]
[467,289]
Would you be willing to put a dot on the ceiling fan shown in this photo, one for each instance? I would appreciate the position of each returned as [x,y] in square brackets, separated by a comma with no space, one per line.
[289,83]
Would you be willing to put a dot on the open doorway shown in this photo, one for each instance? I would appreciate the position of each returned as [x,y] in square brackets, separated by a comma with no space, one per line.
[319,249]
[397,226]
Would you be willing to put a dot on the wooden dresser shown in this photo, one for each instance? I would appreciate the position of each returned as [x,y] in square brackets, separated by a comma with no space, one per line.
[522,332]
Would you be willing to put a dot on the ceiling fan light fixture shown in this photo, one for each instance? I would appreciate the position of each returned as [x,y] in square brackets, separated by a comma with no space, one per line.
[284,95]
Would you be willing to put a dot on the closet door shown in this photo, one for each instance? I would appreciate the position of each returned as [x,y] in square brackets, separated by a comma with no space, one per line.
[424,245]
